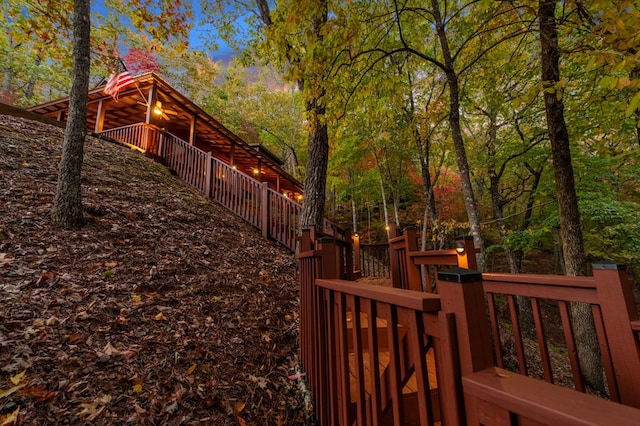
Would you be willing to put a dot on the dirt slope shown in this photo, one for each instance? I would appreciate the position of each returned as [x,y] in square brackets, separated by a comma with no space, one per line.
[163,309]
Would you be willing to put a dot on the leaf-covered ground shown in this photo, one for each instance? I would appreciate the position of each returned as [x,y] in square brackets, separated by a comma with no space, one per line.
[163,309]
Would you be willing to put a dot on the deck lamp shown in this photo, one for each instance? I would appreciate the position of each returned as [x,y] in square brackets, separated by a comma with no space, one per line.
[460,246]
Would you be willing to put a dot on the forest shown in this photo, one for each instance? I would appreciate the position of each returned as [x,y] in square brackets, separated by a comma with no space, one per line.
[515,122]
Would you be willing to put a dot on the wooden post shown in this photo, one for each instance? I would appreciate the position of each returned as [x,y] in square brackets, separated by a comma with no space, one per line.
[330,268]
[151,97]
[466,252]
[305,240]
[461,294]
[414,278]
[192,130]
[615,294]
[161,153]
[100,117]
[356,255]
[392,231]
[265,210]
[207,184]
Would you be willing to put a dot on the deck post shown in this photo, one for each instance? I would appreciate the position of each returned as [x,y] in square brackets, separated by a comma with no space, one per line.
[414,278]
[356,255]
[461,294]
[330,260]
[617,303]
[265,210]
[466,252]
[208,177]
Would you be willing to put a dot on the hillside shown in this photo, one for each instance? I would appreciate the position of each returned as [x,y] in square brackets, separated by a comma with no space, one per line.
[163,309]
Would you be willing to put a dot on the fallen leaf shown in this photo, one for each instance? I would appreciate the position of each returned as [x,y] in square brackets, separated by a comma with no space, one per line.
[110,264]
[75,338]
[239,407]
[94,409]
[18,378]
[191,369]
[110,350]
[40,393]
[160,317]
[10,419]
[137,388]
[9,391]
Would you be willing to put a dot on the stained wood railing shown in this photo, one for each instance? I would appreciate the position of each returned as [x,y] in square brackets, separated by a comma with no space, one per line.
[361,346]
[142,136]
[608,295]
[277,216]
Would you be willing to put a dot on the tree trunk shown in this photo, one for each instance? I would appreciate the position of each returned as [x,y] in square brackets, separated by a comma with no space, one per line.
[456,135]
[570,231]
[67,205]
[315,183]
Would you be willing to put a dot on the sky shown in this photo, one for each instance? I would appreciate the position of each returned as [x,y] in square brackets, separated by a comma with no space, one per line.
[200,32]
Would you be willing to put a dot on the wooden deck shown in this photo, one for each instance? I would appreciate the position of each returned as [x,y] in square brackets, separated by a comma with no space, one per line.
[430,359]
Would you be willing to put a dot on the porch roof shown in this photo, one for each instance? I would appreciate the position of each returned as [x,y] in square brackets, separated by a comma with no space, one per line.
[182,118]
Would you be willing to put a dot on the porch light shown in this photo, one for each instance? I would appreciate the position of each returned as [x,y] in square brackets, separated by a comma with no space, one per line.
[256,171]
[460,246]
[157,110]
[299,197]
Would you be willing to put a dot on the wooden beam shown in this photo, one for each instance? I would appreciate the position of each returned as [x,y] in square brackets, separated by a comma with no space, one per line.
[192,130]
[100,117]
[151,100]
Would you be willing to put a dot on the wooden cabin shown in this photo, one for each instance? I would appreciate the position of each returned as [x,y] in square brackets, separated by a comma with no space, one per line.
[150,108]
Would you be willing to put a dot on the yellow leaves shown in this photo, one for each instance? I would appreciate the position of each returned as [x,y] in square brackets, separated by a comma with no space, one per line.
[137,384]
[110,264]
[633,104]
[136,299]
[10,419]
[93,409]
[160,316]
[18,378]
[7,392]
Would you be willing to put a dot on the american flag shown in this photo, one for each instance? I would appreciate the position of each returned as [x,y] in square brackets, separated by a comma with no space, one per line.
[118,82]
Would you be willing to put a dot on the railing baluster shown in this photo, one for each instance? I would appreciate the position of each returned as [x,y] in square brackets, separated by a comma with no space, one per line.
[542,340]
[571,345]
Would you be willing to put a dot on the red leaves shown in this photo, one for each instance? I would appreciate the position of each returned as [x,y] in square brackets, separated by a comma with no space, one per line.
[38,393]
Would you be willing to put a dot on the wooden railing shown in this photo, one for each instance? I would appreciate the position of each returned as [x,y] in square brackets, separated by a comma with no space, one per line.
[608,295]
[277,216]
[366,348]
[374,260]
[142,136]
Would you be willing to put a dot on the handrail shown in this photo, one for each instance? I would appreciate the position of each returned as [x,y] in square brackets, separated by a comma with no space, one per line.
[277,216]
[375,343]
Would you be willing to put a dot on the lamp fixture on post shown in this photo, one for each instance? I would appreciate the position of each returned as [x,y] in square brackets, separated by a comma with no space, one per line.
[460,246]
